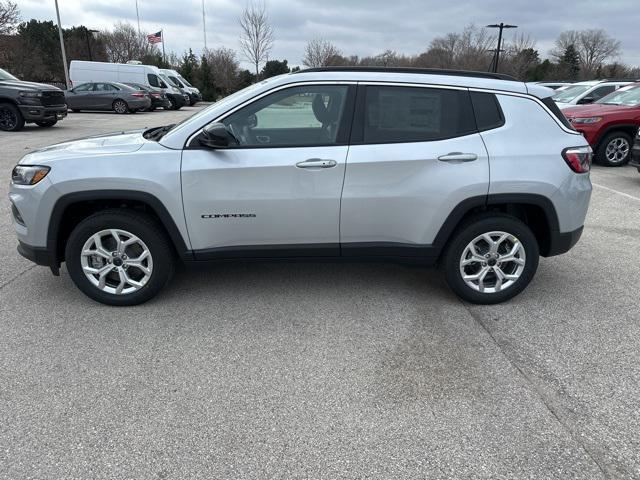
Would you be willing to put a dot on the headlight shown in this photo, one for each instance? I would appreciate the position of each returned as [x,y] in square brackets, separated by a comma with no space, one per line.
[587,120]
[31,94]
[28,174]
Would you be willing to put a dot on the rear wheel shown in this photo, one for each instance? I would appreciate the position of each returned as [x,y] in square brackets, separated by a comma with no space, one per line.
[119,257]
[11,120]
[615,149]
[120,106]
[47,123]
[491,259]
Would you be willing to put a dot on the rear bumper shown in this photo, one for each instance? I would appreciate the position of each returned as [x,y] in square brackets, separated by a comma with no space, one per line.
[562,242]
[36,113]
[160,103]
[635,156]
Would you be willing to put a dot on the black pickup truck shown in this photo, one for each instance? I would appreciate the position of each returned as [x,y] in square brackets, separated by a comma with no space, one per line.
[26,102]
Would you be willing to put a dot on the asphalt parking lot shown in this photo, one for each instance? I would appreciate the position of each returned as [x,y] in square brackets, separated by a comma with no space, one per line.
[324,370]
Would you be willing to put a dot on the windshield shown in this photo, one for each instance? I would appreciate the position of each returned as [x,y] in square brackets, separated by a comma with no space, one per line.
[168,81]
[627,98]
[4,75]
[569,94]
[182,79]
[176,81]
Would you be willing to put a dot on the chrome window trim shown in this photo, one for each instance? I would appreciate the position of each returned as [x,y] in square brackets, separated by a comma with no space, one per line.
[528,97]
[264,94]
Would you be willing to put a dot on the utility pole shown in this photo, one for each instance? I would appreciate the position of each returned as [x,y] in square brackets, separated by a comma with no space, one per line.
[496,57]
[64,53]
[204,26]
[88,33]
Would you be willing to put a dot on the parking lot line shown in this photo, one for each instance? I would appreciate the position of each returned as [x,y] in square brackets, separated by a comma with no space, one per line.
[616,191]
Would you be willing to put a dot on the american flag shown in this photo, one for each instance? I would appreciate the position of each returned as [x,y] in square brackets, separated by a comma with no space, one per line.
[155,37]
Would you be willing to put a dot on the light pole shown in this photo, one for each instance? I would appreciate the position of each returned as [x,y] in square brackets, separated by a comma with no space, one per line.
[496,57]
[64,53]
[204,26]
[88,33]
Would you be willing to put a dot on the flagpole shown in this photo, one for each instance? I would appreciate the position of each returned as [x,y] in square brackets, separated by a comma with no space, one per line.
[204,26]
[138,17]
[162,36]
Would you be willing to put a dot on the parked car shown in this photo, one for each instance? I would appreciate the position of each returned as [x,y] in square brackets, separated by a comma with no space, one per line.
[610,124]
[28,102]
[583,93]
[91,72]
[555,85]
[157,96]
[635,153]
[340,163]
[177,79]
[118,97]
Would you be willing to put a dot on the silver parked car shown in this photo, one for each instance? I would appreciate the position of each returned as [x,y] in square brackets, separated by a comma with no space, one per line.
[476,172]
[118,97]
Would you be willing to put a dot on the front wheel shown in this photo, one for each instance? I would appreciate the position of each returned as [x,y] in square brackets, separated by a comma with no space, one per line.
[118,257]
[491,259]
[615,149]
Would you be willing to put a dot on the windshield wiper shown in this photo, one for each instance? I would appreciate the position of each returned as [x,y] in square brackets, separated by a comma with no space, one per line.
[157,133]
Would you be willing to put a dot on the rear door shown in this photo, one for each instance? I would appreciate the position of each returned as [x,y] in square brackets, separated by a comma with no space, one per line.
[415,155]
[104,95]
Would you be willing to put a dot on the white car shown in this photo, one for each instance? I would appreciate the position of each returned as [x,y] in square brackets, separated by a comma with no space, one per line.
[583,93]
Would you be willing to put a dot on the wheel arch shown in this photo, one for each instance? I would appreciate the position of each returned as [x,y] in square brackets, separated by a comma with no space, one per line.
[628,128]
[537,211]
[74,207]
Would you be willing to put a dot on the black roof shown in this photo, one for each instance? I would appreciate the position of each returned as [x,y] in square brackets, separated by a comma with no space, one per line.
[428,71]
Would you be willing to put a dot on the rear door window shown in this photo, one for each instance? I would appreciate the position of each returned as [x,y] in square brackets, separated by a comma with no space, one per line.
[487,111]
[415,114]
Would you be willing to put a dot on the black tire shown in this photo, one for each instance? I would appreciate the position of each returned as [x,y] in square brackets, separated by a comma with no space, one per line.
[172,104]
[11,120]
[601,153]
[138,224]
[470,230]
[75,110]
[120,106]
[47,123]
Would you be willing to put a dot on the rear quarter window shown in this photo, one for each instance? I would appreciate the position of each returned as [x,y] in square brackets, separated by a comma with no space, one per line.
[487,111]
[551,105]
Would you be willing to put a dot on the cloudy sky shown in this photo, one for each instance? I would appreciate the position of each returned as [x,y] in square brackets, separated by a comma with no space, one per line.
[359,27]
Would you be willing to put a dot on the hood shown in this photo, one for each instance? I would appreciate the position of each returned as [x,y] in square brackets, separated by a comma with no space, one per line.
[592,110]
[109,144]
[27,86]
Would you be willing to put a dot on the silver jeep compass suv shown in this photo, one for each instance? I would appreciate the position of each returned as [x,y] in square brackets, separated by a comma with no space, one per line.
[476,172]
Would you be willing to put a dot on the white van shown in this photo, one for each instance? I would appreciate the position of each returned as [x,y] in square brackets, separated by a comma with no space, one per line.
[180,81]
[148,75]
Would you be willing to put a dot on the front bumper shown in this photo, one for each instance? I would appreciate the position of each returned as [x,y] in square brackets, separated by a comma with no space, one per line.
[37,113]
[194,98]
[38,255]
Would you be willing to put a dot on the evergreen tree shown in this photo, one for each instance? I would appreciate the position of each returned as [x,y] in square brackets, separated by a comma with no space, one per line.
[207,85]
[570,63]
[273,68]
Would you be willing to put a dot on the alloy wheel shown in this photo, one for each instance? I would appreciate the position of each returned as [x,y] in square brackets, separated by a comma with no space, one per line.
[617,150]
[116,261]
[492,262]
[120,107]
[8,119]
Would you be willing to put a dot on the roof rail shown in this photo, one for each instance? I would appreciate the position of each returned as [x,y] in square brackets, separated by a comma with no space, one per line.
[424,71]
[629,79]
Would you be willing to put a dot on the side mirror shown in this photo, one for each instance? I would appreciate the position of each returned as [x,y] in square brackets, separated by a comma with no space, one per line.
[217,135]
[586,100]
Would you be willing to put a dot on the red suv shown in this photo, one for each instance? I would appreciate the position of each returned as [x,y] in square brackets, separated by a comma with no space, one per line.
[609,124]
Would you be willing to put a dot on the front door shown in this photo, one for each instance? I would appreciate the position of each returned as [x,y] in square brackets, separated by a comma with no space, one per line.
[278,192]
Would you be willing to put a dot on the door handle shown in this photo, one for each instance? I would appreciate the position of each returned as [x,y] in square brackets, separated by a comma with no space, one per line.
[316,163]
[458,157]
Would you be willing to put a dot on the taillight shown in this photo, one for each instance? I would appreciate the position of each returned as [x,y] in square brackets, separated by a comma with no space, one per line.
[138,95]
[578,158]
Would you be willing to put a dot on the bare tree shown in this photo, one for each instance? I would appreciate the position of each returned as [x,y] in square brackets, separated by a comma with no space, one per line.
[225,68]
[520,56]
[256,38]
[124,43]
[469,50]
[594,47]
[319,53]
[9,16]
